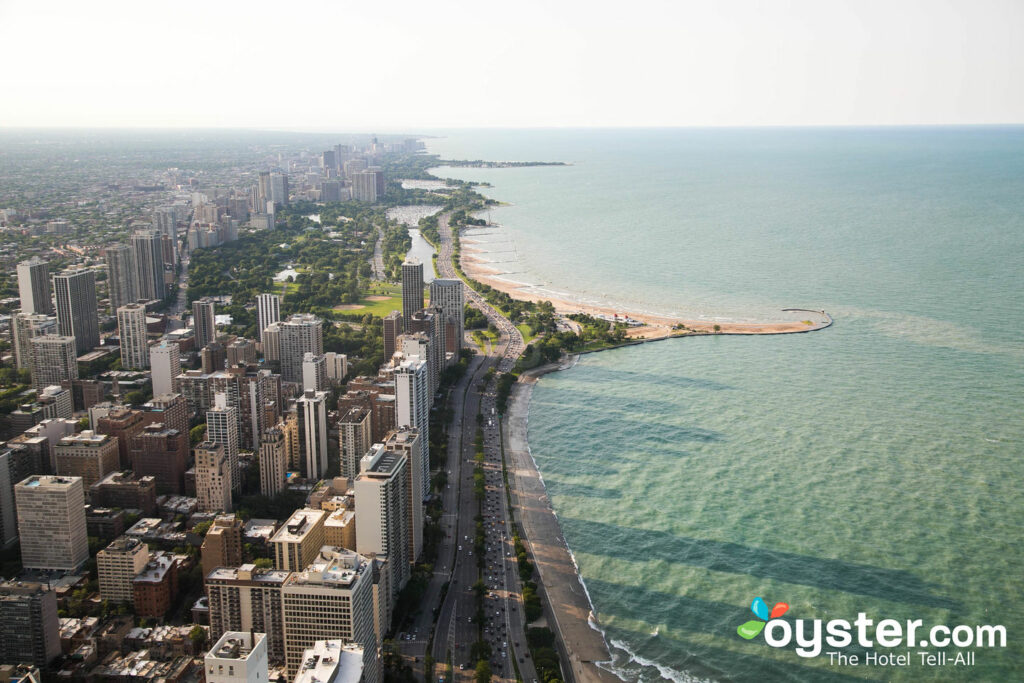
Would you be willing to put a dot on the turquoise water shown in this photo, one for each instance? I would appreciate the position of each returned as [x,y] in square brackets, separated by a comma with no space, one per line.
[872,467]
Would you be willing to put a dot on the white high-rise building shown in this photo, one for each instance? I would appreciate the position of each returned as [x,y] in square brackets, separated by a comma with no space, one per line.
[34,286]
[75,294]
[332,661]
[24,328]
[337,366]
[131,326]
[213,478]
[53,360]
[222,428]
[51,522]
[122,276]
[237,658]
[412,409]
[268,310]
[300,334]
[272,342]
[382,511]
[312,407]
[117,565]
[165,364]
[314,372]
[408,442]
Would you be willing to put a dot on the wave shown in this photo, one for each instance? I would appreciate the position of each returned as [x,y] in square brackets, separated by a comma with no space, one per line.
[666,672]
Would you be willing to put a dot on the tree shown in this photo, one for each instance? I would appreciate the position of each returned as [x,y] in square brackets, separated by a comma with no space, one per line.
[263,563]
[483,671]
[198,637]
[196,434]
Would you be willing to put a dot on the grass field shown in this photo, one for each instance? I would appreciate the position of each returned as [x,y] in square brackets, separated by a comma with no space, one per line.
[381,308]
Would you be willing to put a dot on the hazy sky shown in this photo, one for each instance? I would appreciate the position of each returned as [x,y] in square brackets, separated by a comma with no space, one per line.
[383,65]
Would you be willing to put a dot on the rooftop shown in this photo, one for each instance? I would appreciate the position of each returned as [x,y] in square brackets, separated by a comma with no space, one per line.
[331,661]
[156,569]
[336,567]
[298,525]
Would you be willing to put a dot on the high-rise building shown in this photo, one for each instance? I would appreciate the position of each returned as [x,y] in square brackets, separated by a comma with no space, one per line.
[51,522]
[331,661]
[117,565]
[412,398]
[412,290]
[8,516]
[165,364]
[29,626]
[407,442]
[87,455]
[161,452]
[34,286]
[149,263]
[366,186]
[165,222]
[449,296]
[222,428]
[53,360]
[337,367]
[237,657]
[122,275]
[382,511]
[355,436]
[204,322]
[222,545]
[156,586]
[272,342]
[25,327]
[214,357]
[123,424]
[314,372]
[75,294]
[273,461]
[330,191]
[353,166]
[392,329]
[420,345]
[278,189]
[268,310]
[131,327]
[263,190]
[299,539]
[312,409]
[240,350]
[332,598]
[300,334]
[248,599]
[213,478]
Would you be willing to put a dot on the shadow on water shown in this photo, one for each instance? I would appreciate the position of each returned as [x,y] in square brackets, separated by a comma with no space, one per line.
[680,613]
[887,584]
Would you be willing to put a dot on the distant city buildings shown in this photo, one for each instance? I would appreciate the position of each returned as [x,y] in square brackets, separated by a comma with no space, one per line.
[34,286]
[122,275]
[75,294]
[149,264]
[54,360]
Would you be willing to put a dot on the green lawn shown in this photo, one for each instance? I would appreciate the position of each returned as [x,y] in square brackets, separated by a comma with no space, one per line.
[393,302]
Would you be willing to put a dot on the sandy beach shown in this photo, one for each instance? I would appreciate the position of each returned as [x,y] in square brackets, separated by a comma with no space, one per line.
[654,327]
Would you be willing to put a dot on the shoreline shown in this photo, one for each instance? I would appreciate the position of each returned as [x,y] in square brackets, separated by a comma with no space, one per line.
[567,606]
[654,326]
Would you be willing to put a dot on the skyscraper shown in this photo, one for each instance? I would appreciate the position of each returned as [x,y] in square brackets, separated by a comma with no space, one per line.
[382,511]
[131,326]
[408,442]
[273,461]
[122,275]
[204,322]
[149,263]
[278,189]
[312,407]
[53,360]
[450,298]
[51,522]
[364,186]
[412,409]
[392,328]
[300,334]
[24,328]
[165,361]
[165,222]
[75,293]
[314,372]
[355,436]
[29,626]
[222,428]
[213,478]
[412,290]
[34,286]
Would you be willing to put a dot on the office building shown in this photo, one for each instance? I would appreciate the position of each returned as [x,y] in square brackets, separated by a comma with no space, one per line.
[330,191]
[331,661]
[222,545]
[122,275]
[156,586]
[131,327]
[117,565]
[29,626]
[299,539]
[247,599]
[312,413]
[412,290]
[222,428]
[278,189]
[412,409]
[149,264]
[204,322]
[382,511]
[34,286]
[24,328]
[165,365]
[355,436]
[268,310]
[408,443]
[237,657]
[87,455]
[353,166]
[332,598]
[273,461]
[213,478]
[300,334]
[314,372]
[51,522]
[450,298]
[75,294]
[392,329]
